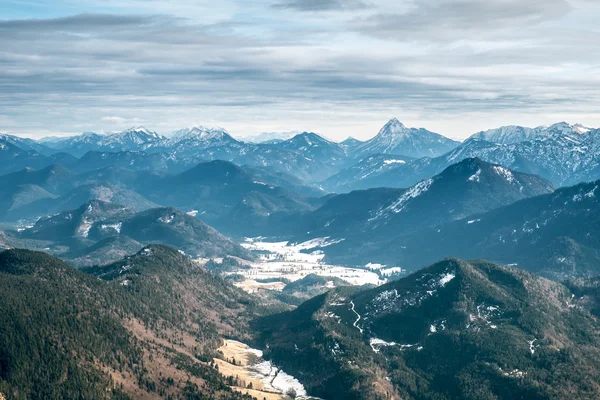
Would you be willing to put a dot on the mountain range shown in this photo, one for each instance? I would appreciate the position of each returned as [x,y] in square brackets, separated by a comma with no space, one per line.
[200,266]
[466,188]
[551,235]
[562,153]
[565,154]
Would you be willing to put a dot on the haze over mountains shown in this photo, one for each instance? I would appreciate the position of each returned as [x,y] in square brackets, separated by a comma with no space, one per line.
[149,255]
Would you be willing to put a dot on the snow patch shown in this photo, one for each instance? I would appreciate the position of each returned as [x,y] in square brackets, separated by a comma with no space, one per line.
[505,173]
[388,162]
[295,261]
[410,194]
[532,346]
[167,220]
[476,176]
[446,278]
[116,227]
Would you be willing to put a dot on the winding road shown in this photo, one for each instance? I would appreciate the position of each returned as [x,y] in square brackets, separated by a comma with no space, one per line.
[357,319]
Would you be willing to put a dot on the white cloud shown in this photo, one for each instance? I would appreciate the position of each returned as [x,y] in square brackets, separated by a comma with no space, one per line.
[341,68]
[114,120]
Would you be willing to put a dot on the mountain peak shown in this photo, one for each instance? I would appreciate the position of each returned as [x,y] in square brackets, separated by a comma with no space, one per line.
[392,127]
[579,128]
[138,128]
[567,129]
[201,134]
[28,262]
[395,138]
[310,138]
[139,131]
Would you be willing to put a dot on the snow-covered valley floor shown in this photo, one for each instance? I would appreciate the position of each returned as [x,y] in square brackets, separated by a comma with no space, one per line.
[293,261]
[268,381]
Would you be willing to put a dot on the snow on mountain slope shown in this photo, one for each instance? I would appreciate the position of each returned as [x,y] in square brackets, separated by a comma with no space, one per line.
[135,138]
[395,138]
[512,134]
[270,137]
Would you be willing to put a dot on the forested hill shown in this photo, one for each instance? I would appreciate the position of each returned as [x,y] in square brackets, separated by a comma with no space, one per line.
[149,331]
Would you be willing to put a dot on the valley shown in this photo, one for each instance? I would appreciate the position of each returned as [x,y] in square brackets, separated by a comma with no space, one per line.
[289,262]
[257,377]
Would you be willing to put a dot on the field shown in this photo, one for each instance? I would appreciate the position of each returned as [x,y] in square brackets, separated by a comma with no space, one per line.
[265,379]
[280,262]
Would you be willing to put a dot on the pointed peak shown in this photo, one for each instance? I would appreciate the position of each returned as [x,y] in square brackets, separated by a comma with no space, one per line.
[137,129]
[393,127]
[581,129]
[87,134]
[394,121]
[561,124]
[309,137]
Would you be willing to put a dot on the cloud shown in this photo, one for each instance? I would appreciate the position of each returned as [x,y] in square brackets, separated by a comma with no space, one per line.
[446,20]
[322,5]
[454,64]
[115,120]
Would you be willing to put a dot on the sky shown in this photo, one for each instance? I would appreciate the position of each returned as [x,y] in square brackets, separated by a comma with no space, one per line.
[337,67]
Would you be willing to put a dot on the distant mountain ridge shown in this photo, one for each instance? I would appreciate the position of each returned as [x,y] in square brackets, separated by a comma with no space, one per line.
[562,153]
[552,235]
[468,187]
[135,138]
[211,190]
[514,134]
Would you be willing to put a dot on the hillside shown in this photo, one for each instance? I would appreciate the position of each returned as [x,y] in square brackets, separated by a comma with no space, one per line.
[469,187]
[552,235]
[66,334]
[102,232]
[455,330]
[175,228]
[220,192]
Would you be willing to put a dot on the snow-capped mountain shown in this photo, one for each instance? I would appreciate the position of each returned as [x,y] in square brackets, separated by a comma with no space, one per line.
[270,137]
[314,147]
[200,132]
[562,153]
[135,138]
[14,158]
[26,144]
[132,137]
[507,134]
[468,187]
[512,134]
[199,138]
[553,235]
[395,138]
[558,154]
[353,177]
[350,144]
